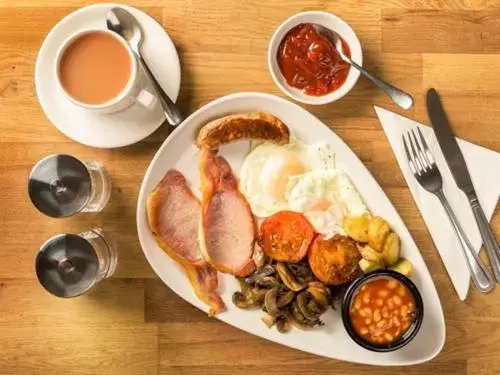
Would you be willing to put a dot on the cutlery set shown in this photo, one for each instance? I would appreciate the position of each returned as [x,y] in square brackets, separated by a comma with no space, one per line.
[426,172]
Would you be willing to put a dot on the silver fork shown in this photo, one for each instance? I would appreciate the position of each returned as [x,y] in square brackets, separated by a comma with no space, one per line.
[426,172]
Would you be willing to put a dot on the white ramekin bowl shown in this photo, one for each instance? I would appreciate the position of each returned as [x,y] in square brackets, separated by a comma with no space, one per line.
[332,22]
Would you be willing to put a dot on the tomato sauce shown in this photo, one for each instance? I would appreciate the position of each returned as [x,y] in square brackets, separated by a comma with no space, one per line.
[382,311]
[309,61]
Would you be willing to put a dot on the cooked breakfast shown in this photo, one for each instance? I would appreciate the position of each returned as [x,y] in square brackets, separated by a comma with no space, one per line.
[382,310]
[204,281]
[309,61]
[228,228]
[252,126]
[286,236]
[288,294]
[377,243]
[290,225]
[173,214]
[300,178]
[334,260]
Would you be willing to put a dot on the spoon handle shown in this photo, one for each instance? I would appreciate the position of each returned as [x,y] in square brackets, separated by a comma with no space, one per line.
[398,96]
[172,113]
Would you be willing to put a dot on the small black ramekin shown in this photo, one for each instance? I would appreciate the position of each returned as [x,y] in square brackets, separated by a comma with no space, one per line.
[407,336]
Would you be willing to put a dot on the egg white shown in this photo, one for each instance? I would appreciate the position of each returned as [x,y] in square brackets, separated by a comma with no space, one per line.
[325,197]
[267,169]
[301,178]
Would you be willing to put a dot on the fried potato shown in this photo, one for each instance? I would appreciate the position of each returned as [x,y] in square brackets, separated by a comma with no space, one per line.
[371,255]
[356,227]
[390,250]
[367,266]
[403,266]
[378,229]
[334,261]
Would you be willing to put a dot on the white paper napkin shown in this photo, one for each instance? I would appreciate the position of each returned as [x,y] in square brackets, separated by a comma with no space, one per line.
[484,167]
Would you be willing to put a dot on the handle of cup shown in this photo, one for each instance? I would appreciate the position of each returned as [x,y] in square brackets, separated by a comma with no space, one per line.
[146,99]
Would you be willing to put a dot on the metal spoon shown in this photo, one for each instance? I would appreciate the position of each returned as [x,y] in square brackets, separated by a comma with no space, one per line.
[398,96]
[123,23]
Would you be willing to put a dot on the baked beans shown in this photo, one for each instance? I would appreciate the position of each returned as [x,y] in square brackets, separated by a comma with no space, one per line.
[382,310]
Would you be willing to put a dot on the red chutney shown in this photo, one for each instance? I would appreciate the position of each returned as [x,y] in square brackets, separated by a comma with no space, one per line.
[309,61]
[382,311]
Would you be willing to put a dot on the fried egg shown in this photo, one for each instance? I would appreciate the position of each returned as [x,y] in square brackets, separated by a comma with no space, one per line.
[268,168]
[325,197]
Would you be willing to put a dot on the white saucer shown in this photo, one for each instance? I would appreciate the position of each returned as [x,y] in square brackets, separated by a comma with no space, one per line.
[114,130]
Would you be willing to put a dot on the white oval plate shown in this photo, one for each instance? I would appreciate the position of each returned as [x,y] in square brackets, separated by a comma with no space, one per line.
[105,130]
[179,152]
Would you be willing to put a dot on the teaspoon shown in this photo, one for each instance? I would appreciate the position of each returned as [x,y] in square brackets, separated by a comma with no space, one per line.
[398,96]
[124,24]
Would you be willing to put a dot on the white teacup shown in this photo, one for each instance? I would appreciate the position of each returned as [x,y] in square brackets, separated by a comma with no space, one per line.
[135,91]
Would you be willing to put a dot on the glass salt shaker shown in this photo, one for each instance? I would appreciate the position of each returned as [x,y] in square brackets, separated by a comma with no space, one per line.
[69,265]
[61,186]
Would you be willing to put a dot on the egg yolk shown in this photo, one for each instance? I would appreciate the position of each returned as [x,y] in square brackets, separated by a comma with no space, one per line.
[276,172]
[320,205]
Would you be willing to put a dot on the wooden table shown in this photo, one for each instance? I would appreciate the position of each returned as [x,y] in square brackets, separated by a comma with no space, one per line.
[132,323]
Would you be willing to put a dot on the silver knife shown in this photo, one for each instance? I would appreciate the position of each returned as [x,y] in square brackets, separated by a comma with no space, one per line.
[458,167]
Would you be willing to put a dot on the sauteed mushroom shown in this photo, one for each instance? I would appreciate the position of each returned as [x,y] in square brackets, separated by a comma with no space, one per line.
[297,314]
[270,302]
[267,282]
[259,293]
[296,323]
[316,308]
[245,287]
[289,295]
[243,302]
[285,298]
[289,278]
[320,293]
[268,320]
[248,297]
[302,272]
[303,299]
[283,323]
[264,271]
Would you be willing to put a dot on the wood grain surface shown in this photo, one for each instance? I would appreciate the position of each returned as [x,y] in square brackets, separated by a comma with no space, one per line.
[132,323]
